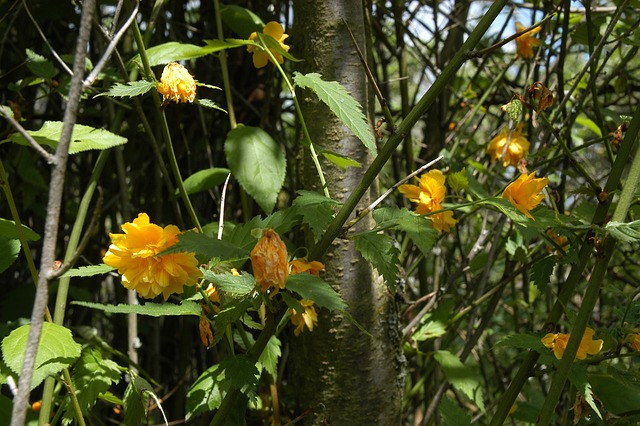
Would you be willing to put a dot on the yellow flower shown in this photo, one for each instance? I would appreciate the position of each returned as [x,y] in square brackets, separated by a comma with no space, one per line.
[516,147]
[524,192]
[309,317]
[176,84]
[269,261]
[299,266]
[135,255]
[634,340]
[429,196]
[526,42]
[260,57]
[558,342]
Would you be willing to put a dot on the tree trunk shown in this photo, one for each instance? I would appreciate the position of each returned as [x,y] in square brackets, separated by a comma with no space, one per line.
[342,375]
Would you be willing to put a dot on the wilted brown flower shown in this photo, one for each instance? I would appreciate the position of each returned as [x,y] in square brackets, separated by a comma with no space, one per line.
[269,261]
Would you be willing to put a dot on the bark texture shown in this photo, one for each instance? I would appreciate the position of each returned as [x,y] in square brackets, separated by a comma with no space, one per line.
[342,375]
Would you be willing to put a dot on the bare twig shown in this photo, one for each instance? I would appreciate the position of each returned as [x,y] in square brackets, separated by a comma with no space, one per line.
[53,217]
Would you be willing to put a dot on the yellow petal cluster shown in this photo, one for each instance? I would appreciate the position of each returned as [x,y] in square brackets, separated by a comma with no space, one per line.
[260,57]
[299,266]
[558,342]
[524,192]
[634,340]
[135,255]
[526,42]
[269,261]
[307,318]
[510,147]
[176,84]
[429,195]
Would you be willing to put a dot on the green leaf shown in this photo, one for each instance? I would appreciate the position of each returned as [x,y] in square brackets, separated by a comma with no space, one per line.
[578,378]
[173,52]
[207,392]
[208,103]
[201,244]
[625,232]
[434,324]
[130,89]
[9,230]
[9,251]
[461,377]
[269,357]
[381,251]
[339,160]
[275,46]
[317,211]
[343,105]
[187,307]
[83,138]
[241,372]
[40,66]
[229,283]
[458,181]
[541,271]
[585,121]
[136,396]
[417,227]
[258,163]
[232,311]
[312,287]
[242,21]
[57,350]
[88,271]
[92,376]
[514,109]
[203,180]
[522,341]
[452,414]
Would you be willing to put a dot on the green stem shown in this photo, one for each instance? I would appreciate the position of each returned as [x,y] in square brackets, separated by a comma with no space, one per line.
[575,276]
[303,124]
[164,128]
[223,66]
[404,128]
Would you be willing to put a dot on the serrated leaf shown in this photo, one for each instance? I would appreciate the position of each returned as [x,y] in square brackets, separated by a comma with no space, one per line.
[514,109]
[317,211]
[9,251]
[274,46]
[434,324]
[136,396]
[314,288]
[343,105]
[57,350]
[232,311]
[578,378]
[203,180]
[340,160]
[187,307]
[541,271]
[452,414]
[380,250]
[88,271]
[241,372]
[522,341]
[461,377]
[208,103]
[201,244]
[232,284]
[269,357]
[258,163]
[417,227]
[40,66]
[626,232]
[130,89]
[458,181]
[83,138]
[9,230]
[207,392]
[92,376]
[173,52]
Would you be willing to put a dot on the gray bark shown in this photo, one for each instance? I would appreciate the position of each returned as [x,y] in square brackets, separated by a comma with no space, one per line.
[342,375]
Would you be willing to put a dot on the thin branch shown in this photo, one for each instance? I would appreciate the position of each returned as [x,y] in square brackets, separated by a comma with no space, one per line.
[35,145]
[54,205]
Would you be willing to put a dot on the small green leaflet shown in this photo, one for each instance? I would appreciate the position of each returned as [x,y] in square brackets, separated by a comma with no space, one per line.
[311,287]
[229,283]
[56,351]
[461,377]
[380,250]
[88,271]
[269,357]
[452,414]
[207,391]
[174,52]
[417,227]
[241,20]
[625,232]
[83,138]
[130,89]
[8,229]
[203,180]
[317,211]
[541,271]
[187,307]
[343,105]
[201,244]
